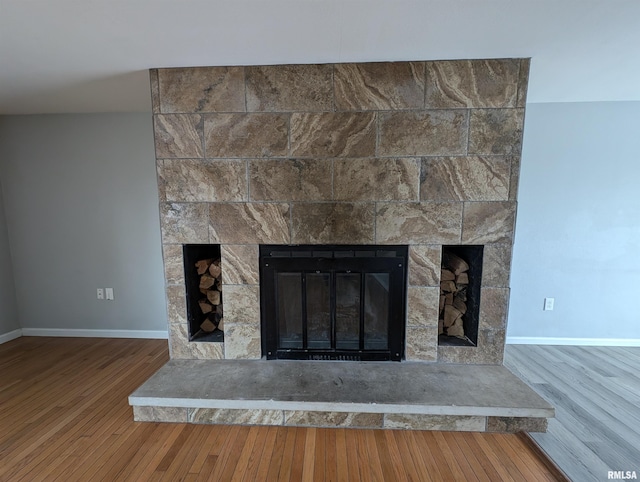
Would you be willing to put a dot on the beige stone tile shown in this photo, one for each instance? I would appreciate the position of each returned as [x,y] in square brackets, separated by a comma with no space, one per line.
[458,354]
[205,350]
[202,89]
[230,416]
[471,178]
[424,265]
[376,179]
[516,424]
[488,222]
[179,341]
[176,304]
[333,223]
[246,135]
[303,418]
[183,349]
[496,131]
[453,423]
[471,83]
[278,88]
[155,91]
[491,344]
[423,133]
[418,223]
[421,343]
[240,264]
[184,223]
[494,305]
[249,223]
[422,306]
[290,179]
[241,305]
[523,82]
[173,264]
[496,265]
[379,86]
[242,341]
[333,134]
[178,135]
[160,414]
[197,180]
[490,350]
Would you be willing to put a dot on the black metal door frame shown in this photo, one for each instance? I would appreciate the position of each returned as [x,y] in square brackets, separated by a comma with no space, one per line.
[394,265]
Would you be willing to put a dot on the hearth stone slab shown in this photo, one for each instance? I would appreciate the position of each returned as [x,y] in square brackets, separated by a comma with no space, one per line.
[160,414]
[511,424]
[301,418]
[322,393]
[230,416]
[452,423]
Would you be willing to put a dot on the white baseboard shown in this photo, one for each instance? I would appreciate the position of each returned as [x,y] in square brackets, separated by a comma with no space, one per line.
[543,340]
[95,333]
[12,335]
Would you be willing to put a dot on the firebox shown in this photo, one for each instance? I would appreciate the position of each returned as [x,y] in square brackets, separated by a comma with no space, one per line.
[333,302]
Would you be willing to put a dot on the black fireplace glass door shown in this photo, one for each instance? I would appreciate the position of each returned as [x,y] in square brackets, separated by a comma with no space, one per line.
[318,310]
[290,309]
[376,303]
[336,303]
[348,311]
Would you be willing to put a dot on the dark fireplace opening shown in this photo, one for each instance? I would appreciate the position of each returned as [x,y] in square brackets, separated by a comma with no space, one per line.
[460,286]
[203,283]
[333,302]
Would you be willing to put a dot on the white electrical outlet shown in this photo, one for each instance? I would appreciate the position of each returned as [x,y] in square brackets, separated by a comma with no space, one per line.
[109,293]
[100,294]
[548,304]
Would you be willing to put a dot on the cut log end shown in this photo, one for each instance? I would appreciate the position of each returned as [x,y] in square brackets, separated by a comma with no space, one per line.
[206,281]
[215,270]
[214,297]
[205,307]
[203,265]
[207,326]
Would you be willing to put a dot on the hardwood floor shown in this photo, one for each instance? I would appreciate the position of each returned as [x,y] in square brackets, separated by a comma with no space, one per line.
[64,416]
[596,393]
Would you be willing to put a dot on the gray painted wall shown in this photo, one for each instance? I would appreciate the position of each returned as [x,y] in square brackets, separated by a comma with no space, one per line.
[82,213]
[578,226]
[8,306]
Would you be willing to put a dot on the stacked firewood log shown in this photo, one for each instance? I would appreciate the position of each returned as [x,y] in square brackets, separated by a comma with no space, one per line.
[211,287]
[454,280]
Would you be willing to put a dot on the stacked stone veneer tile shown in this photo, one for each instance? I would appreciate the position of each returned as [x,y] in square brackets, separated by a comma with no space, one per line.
[417,153]
[306,418]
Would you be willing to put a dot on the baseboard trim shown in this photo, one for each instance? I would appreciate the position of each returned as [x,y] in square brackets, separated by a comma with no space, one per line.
[12,335]
[95,333]
[543,340]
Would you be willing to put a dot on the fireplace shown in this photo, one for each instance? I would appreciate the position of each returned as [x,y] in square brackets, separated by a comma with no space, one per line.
[326,302]
[418,154]
[344,203]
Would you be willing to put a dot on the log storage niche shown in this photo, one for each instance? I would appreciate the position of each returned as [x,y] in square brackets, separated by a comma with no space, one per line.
[459,308]
[203,282]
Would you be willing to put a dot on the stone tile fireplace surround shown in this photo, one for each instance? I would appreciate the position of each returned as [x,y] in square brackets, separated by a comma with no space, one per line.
[418,153]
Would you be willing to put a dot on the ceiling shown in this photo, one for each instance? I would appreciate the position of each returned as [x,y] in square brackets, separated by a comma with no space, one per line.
[92,55]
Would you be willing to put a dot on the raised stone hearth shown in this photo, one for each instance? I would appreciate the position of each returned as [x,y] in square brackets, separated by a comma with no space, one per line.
[418,154]
[341,394]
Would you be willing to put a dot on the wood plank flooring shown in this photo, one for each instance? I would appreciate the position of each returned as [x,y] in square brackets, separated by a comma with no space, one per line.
[596,394]
[64,416]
